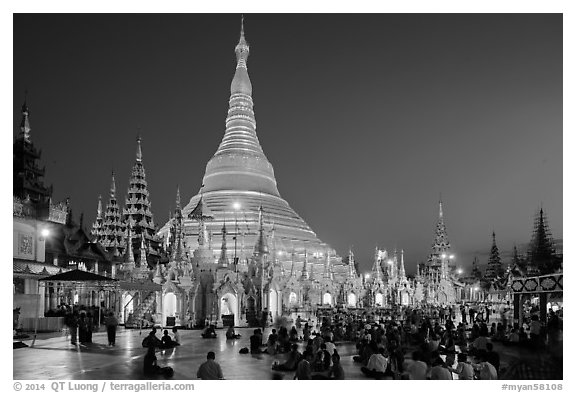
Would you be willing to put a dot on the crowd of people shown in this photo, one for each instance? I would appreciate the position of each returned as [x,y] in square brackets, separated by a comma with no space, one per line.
[427,342]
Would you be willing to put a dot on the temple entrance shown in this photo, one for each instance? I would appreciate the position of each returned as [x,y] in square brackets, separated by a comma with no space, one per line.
[228,309]
[127,306]
[442,298]
[327,298]
[351,299]
[293,299]
[379,300]
[273,303]
[251,316]
[169,306]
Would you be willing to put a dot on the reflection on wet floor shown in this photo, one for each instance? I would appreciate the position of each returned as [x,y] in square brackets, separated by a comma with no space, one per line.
[56,358]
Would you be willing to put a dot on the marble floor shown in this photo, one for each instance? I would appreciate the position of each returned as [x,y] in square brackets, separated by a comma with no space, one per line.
[55,358]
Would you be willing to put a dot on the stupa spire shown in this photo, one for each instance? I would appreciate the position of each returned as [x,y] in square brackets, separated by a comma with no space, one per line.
[351,267]
[261,246]
[305,273]
[130,263]
[402,269]
[139,149]
[25,124]
[376,270]
[112,235]
[97,230]
[223,261]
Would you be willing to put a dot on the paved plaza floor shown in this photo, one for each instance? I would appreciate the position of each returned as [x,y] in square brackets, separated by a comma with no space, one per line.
[54,357]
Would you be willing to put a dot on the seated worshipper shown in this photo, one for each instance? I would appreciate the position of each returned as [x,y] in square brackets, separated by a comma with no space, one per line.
[284,340]
[256,342]
[151,340]
[209,332]
[272,344]
[151,367]
[415,369]
[464,369]
[210,369]
[293,334]
[167,341]
[231,334]
[439,369]
[290,364]
[176,338]
[479,345]
[485,369]
[377,365]
[336,372]
[304,369]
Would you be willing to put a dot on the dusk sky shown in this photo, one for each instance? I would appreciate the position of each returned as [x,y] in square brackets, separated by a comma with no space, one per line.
[366,118]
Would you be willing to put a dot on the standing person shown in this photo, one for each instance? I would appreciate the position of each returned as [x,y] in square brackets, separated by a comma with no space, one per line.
[264,320]
[83,328]
[111,325]
[210,369]
[72,323]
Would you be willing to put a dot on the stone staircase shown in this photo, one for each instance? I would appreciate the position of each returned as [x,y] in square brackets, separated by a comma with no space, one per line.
[137,315]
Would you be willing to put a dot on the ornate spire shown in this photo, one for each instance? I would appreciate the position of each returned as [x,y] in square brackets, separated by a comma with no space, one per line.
[25,124]
[113,234]
[143,259]
[494,268]
[139,149]
[261,246]
[402,273]
[240,148]
[293,269]
[113,186]
[351,267]
[223,261]
[376,270]
[97,230]
[327,267]
[130,263]
[305,274]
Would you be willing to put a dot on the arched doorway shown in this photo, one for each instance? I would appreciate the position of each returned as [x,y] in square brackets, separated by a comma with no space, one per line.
[351,299]
[327,298]
[442,298]
[404,298]
[273,303]
[169,304]
[228,309]
[379,299]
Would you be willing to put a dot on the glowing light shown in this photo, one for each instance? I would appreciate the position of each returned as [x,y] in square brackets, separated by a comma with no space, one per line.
[452,256]
[460,271]
[443,255]
[45,233]
[236,205]
[367,276]
[390,261]
[476,288]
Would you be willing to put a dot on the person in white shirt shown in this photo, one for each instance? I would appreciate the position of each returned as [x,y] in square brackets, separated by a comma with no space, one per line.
[377,365]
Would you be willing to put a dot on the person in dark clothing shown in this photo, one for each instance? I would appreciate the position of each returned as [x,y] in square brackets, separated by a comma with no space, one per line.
[111,326]
[150,362]
[292,362]
[167,341]
[256,342]
[492,357]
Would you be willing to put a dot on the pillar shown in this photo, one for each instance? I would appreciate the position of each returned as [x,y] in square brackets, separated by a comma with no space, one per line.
[543,310]
[518,309]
